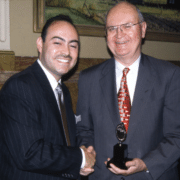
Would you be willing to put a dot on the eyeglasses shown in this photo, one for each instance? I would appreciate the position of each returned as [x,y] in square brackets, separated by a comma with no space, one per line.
[123,27]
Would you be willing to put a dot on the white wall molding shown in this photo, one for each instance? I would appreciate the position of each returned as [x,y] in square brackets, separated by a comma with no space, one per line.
[4,25]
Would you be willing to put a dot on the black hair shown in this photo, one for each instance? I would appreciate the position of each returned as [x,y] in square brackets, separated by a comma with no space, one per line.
[48,23]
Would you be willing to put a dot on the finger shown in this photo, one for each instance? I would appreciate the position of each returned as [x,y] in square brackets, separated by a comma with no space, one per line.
[91,150]
[117,170]
[90,160]
[83,147]
[108,159]
[130,163]
[86,171]
[112,170]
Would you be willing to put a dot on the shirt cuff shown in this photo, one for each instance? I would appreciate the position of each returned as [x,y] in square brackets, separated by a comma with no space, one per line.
[83,159]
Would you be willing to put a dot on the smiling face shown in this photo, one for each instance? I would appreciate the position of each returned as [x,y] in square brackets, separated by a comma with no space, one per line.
[59,52]
[125,45]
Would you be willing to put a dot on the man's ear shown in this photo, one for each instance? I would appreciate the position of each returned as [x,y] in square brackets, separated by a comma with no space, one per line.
[144,27]
[39,43]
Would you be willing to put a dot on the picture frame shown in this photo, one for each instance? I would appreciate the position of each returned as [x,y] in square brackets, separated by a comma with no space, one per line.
[96,31]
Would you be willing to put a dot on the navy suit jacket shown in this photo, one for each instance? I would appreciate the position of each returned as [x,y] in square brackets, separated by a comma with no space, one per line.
[32,140]
[154,125]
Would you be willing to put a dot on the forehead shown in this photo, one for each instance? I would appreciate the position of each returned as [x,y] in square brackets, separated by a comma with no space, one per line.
[62,29]
[121,14]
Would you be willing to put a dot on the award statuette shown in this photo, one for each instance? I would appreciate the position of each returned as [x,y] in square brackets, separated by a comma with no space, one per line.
[120,150]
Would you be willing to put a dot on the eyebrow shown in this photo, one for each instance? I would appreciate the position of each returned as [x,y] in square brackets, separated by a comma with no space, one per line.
[62,39]
[120,24]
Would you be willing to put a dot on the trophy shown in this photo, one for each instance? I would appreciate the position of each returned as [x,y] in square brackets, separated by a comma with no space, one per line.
[120,150]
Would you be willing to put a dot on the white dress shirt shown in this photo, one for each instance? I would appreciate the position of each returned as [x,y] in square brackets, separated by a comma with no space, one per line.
[53,82]
[131,76]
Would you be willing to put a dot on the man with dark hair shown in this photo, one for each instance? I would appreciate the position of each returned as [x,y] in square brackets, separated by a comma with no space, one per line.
[51,20]
[138,91]
[37,124]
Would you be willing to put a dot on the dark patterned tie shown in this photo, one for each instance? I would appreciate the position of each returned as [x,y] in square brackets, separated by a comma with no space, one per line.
[124,102]
[63,112]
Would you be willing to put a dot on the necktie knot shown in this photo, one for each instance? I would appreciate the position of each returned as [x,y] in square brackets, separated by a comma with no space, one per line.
[125,71]
[59,88]
[59,92]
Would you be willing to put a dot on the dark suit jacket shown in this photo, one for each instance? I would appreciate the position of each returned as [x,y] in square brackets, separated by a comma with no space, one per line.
[32,141]
[154,126]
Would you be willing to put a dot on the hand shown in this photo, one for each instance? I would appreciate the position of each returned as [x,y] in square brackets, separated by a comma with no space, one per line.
[90,156]
[91,150]
[86,171]
[134,166]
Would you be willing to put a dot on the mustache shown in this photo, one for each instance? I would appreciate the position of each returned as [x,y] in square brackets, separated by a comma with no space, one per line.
[64,56]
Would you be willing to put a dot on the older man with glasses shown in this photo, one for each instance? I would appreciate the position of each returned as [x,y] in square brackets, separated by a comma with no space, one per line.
[135,92]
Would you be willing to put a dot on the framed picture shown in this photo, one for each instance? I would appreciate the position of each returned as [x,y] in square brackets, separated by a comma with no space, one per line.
[162,16]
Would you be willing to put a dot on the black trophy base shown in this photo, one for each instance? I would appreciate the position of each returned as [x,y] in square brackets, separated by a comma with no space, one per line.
[120,156]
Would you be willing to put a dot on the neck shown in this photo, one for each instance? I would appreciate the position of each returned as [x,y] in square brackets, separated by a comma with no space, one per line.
[126,61]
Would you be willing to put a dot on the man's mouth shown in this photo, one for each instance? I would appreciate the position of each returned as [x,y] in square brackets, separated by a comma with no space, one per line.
[63,60]
[124,42]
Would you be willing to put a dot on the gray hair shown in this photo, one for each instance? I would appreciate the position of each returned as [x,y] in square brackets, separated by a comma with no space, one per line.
[141,17]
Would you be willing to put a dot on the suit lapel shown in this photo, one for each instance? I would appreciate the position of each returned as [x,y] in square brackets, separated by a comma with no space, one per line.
[46,87]
[47,92]
[108,86]
[144,84]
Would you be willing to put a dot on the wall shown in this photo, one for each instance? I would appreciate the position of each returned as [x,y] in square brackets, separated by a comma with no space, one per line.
[23,40]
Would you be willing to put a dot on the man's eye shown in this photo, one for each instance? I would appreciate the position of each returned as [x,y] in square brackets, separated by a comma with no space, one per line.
[57,43]
[112,28]
[74,46]
[127,26]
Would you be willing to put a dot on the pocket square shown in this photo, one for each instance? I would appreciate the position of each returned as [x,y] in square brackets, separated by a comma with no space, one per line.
[78,118]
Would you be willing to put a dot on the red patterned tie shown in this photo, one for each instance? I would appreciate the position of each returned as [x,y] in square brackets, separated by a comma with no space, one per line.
[124,102]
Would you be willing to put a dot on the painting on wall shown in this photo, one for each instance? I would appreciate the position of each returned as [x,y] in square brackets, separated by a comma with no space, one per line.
[162,16]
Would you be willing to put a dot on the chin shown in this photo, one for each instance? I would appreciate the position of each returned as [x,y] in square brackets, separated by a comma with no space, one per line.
[121,54]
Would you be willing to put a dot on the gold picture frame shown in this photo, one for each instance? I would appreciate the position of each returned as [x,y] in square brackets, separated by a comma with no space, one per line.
[97,31]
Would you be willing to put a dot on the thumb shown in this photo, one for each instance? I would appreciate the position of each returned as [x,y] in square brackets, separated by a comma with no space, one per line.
[130,163]
[90,149]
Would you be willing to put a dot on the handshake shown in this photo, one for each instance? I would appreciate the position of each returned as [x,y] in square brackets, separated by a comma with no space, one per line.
[90,156]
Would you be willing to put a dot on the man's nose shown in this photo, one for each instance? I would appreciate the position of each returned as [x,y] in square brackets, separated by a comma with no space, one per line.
[119,32]
[65,50]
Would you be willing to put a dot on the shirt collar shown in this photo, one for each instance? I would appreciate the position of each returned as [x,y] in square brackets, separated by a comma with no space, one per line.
[53,82]
[133,66]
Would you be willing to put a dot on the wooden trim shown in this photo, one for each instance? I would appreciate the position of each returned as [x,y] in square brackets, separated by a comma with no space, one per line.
[7,53]
[22,63]
[38,15]
[71,80]
[7,60]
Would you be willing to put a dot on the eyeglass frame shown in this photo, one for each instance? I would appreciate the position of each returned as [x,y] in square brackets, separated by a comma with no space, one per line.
[116,27]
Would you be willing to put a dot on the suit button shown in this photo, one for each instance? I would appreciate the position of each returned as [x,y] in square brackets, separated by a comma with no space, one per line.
[122,178]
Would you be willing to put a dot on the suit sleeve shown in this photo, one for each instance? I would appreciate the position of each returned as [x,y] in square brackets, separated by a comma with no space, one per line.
[167,153]
[85,129]
[24,133]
